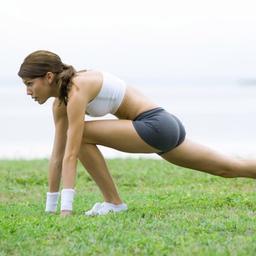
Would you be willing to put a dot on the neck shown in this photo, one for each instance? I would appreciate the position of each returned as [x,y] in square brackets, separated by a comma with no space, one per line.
[55,91]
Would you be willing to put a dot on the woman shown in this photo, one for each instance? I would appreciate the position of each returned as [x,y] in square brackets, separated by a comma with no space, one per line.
[142,127]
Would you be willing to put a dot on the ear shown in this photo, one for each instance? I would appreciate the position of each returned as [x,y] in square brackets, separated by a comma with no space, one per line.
[49,77]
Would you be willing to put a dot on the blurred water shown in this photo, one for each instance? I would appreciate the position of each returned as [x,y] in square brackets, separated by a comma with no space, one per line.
[221,116]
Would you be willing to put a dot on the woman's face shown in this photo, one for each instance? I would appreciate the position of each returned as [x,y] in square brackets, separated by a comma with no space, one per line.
[38,88]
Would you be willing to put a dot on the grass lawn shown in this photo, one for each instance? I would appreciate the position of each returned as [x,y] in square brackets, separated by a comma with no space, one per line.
[172,211]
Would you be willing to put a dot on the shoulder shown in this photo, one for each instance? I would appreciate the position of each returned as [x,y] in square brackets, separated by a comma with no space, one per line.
[58,106]
[86,85]
[59,110]
[88,78]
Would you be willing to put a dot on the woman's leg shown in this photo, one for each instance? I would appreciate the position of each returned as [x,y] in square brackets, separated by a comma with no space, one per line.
[94,163]
[121,135]
[198,157]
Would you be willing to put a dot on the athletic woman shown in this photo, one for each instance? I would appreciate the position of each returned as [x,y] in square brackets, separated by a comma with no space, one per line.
[141,127]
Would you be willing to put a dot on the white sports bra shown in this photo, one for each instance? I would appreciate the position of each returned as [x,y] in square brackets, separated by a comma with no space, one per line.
[109,98]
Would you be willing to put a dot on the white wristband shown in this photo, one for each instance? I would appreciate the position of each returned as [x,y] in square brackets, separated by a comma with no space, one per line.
[51,201]
[67,197]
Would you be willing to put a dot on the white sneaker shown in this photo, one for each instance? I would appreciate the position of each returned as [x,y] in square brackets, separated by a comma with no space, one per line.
[94,209]
[109,207]
[105,208]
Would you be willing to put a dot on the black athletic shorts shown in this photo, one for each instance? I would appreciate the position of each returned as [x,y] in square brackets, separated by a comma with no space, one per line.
[160,129]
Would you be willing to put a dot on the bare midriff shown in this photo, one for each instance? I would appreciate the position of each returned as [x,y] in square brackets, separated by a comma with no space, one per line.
[133,104]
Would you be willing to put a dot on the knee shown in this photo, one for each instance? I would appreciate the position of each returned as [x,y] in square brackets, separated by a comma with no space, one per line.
[87,134]
[86,151]
[84,139]
[232,170]
[227,174]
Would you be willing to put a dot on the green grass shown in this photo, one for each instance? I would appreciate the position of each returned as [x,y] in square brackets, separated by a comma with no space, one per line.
[172,211]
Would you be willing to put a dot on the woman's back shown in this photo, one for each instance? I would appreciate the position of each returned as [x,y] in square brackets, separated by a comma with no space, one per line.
[112,95]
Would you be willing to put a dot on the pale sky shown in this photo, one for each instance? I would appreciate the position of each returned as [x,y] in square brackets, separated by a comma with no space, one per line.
[173,40]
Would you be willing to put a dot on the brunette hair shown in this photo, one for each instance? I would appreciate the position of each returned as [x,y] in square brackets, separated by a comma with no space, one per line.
[38,63]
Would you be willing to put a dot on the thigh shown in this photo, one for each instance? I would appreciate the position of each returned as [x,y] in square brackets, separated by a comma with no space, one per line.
[117,134]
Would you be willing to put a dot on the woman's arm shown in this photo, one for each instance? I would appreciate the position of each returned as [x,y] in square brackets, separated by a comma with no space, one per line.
[75,112]
[55,165]
[61,126]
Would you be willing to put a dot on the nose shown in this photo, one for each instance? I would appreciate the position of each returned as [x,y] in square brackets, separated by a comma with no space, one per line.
[29,92]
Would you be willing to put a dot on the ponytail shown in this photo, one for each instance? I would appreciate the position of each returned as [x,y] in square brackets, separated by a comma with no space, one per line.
[64,81]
